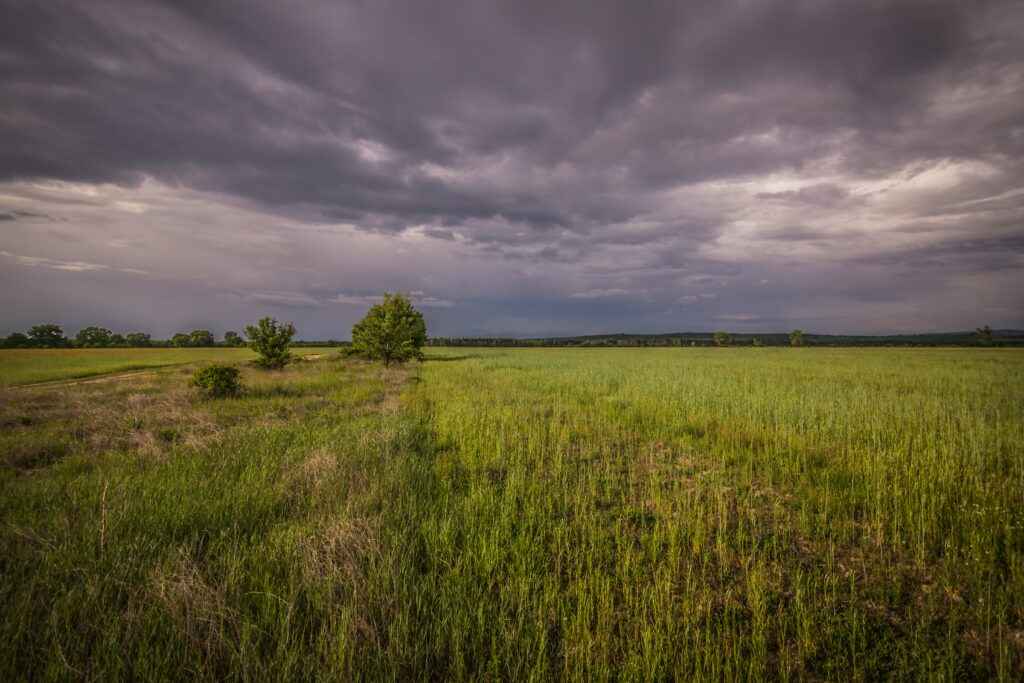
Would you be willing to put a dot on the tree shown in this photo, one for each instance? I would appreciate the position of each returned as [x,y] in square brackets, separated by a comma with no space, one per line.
[392,331]
[231,338]
[47,336]
[93,337]
[181,340]
[722,338]
[984,335]
[796,338]
[201,338]
[270,340]
[16,340]
[757,342]
[138,339]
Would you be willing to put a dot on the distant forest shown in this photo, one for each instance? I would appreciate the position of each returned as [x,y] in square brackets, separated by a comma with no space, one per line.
[972,338]
[52,336]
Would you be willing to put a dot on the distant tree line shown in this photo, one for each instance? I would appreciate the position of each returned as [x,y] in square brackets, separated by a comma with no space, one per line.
[51,336]
[984,336]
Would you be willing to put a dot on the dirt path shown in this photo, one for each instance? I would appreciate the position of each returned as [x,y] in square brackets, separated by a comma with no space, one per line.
[111,377]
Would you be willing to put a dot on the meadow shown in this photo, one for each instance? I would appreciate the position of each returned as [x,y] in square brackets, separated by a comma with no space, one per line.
[695,513]
[28,366]
[19,367]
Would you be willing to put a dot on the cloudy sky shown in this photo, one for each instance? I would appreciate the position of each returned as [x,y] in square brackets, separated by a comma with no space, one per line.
[522,168]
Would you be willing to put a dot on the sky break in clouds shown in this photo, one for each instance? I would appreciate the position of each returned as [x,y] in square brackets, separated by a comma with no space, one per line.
[523,168]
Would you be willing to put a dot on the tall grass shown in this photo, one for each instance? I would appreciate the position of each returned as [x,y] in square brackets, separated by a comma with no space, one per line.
[708,513]
[526,514]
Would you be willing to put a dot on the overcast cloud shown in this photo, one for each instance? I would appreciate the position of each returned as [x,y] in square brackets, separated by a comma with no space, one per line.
[522,168]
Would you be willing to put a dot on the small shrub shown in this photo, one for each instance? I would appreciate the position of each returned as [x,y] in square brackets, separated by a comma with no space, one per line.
[217,381]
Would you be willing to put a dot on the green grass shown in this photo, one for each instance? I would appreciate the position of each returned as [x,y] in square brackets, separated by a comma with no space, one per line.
[27,366]
[524,514]
[30,366]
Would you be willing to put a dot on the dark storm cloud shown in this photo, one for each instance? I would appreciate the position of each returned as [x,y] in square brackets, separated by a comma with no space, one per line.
[637,152]
[249,99]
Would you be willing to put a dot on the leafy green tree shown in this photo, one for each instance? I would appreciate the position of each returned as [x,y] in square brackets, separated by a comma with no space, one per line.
[757,342]
[47,336]
[138,339]
[181,340]
[117,339]
[232,338]
[271,340]
[722,338]
[93,337]
[202,338]
[796,338]
[392,331]
[17,340]
[984,335]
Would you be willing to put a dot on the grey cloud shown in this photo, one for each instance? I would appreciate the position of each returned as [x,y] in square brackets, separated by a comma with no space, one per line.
[69,266]
[820,195]
[536,149]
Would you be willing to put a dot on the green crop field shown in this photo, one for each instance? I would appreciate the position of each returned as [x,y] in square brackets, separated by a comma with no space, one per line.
[840,514]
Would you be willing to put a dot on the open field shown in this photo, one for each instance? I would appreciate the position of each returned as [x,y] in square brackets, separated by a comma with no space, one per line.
[27,366]
[513,514]
[19,367]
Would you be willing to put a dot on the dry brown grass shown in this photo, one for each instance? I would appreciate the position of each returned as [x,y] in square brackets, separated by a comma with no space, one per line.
[198,607]
[146,413]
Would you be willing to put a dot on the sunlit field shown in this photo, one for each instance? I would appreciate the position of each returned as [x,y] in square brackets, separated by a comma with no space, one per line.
[843,514]
[29,366]
[26,366]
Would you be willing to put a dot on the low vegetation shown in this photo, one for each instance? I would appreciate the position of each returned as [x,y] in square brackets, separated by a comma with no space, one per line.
[708,514]
[26,366]
[217,381]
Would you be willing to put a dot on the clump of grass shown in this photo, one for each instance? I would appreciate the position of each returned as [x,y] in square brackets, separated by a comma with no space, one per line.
[168,434]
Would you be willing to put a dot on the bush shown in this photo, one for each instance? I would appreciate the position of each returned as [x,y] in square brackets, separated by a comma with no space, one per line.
[271,340]
[392,331]
[217,381]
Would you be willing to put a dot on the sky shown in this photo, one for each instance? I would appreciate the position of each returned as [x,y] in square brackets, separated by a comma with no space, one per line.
[520,168]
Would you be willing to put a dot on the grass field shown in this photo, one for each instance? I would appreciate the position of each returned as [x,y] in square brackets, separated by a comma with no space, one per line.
[26,366]
[29,366]
[524,514]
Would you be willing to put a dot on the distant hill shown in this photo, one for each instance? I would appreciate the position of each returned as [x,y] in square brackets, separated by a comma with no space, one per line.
[1000,338]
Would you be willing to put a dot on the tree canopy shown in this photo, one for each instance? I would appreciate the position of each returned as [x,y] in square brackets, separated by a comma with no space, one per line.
[47,336]
[93,336]
[271,340]
[392,331]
